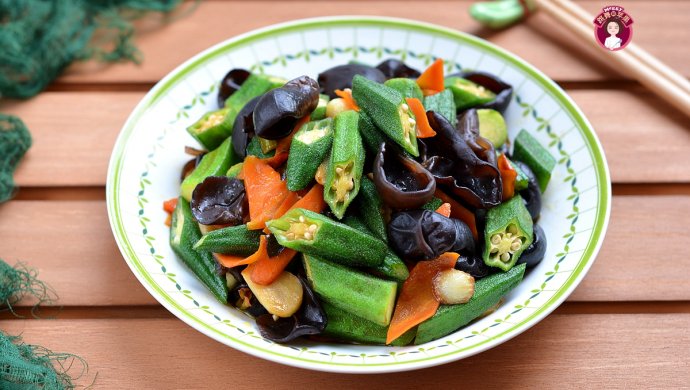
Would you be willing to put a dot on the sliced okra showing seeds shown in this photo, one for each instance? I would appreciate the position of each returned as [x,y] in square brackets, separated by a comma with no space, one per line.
[344,170]
[389,111]
[507,234]
[308,232]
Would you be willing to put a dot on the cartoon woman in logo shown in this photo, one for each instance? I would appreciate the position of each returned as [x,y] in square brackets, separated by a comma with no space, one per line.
[613,27]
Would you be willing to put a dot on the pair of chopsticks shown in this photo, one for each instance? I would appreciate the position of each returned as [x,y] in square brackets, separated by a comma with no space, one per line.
[632,60]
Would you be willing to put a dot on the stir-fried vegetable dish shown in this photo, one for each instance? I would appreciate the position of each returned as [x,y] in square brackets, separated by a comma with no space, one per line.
[375,205]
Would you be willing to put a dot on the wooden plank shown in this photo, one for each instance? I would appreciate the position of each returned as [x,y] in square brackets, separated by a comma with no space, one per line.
[540,41]
[643,257]
[73,249]
[593,351]
[74,134]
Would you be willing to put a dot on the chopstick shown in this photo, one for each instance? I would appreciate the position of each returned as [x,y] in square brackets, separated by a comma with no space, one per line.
[632,48]
[636,63]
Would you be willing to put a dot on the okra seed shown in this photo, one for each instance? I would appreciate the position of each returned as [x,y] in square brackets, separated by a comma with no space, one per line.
[411,120]
[405,107]
[312,228]
[308,235]
[339,170]
[496,239]
[275,317]
[301,218]
[515,245]
[290,236]
[505,257]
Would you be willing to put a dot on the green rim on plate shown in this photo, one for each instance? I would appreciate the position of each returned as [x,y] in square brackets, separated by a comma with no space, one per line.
[264,349]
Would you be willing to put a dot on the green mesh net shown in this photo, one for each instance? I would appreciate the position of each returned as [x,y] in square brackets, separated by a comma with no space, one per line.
[40,38]
[15,140]
[24,366]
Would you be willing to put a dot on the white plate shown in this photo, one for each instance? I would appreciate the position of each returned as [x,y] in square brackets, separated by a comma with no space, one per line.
[148,156]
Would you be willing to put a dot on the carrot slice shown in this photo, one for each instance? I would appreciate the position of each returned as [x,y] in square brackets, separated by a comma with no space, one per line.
[230,261]
[312,201]
[444,210]
[459,211]
[265,191]
[424,129]
[417,301]
[267,269]
[169,205]
[283,147]
[346,95]
[508,176]
[431,81]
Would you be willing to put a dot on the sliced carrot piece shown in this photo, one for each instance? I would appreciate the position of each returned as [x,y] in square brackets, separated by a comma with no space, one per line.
[444,210]
[508,176]
[169,205]
[431,81]
[266,270]
[417,301]
[346,95]
[313,200]
[424,129]
[265,191]
[230,261]
[459,211]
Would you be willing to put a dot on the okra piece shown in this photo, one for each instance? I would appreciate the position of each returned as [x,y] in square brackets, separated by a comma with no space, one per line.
[352,291]
[309,147]
[442,103]
[528,150]
[253,86]
[212,128]
[468,94]
[214,163]
[235,240]
[492,126]
[407,87]
[267,145]
[388,110]
[507,233]
[320,110]
[311,233]
[392,267]
[522,180]
[235,170]
[372,137]
[433,204]
[254,149]
[370,208]
[488,292]
[184,232]
[344,170]
[347,326]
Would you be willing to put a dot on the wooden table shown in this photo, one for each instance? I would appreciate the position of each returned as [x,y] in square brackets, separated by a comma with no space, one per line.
[627,324]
